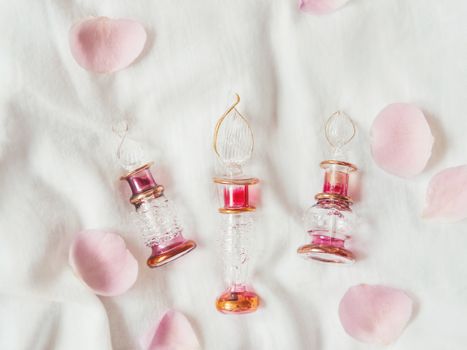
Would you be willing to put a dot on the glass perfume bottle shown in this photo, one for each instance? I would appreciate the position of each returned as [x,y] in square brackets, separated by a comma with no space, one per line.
[155,214]
[233,144]
[330,221]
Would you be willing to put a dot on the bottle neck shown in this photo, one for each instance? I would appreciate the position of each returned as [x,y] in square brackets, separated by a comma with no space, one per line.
[142,185]
[336,181]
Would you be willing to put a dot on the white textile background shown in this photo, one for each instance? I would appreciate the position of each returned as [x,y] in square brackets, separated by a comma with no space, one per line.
[58,172]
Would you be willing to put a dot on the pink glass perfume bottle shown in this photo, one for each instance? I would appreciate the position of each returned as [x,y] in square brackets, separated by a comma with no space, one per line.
[155,215]
[233,144]
[330,221]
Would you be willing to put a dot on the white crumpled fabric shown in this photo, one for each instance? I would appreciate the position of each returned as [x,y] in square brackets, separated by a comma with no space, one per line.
[58,172]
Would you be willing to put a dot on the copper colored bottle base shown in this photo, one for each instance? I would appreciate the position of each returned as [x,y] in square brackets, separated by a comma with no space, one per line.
[170,253]
[240,302]
[326,253]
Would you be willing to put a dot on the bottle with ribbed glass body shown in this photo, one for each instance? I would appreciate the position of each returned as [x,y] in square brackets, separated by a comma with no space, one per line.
[155,216]
[233,144]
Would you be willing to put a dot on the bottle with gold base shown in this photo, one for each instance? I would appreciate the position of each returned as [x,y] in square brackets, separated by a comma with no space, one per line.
[233,144]
[155,214]
[330,221]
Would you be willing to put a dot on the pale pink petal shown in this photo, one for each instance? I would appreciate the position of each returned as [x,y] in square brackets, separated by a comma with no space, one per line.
[105,45]
[173,332]
[320,7]
[103,262]
[401,140]
[446,197]
[375,314]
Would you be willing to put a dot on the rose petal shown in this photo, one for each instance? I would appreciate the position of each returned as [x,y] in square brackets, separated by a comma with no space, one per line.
[446,197]
[103,262]
[375,314]
[320,7]
[105,45]
[173,332]
[401,140]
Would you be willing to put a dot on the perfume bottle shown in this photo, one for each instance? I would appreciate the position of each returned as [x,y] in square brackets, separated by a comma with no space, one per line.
[155,214]
[330,221]
[233,144]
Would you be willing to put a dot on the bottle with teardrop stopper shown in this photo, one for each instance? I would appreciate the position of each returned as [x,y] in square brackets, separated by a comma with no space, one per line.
[330,221]
[233,144]
[155,214]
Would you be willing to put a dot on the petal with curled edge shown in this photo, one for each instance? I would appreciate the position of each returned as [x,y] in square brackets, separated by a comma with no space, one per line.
[105,45]
[375,314]
[173,332]
[446,197]
[401,140]
[102,260]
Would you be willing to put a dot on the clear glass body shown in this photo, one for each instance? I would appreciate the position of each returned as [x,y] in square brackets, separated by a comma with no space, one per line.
[236,243]
[329,224]
[157,221]
[161,231]
[330,219]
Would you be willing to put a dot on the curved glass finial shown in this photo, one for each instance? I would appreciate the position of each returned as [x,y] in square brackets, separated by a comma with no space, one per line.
[340,130]
[130,154]
[233,139]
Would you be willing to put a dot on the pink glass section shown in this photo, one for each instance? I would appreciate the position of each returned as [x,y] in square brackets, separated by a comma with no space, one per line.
[236,196]
[141,181]
[336,182]
[171,250]
[159,248]
[327,241]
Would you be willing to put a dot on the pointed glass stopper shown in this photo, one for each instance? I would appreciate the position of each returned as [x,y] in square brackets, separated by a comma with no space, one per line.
[130,154]
[340,130]
[233,140]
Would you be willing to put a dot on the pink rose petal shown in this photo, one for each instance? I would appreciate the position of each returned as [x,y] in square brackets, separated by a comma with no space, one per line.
[103,262]
[401,140]
[375,314]
[105,45]
[173,332]
[446,197]
[320,7]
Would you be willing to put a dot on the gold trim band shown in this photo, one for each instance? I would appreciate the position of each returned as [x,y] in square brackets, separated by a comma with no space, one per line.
[341,255]
[325,163]
[131,173]
[171,254]
[155,192]
[236,210]
[333,196]
[229,181]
